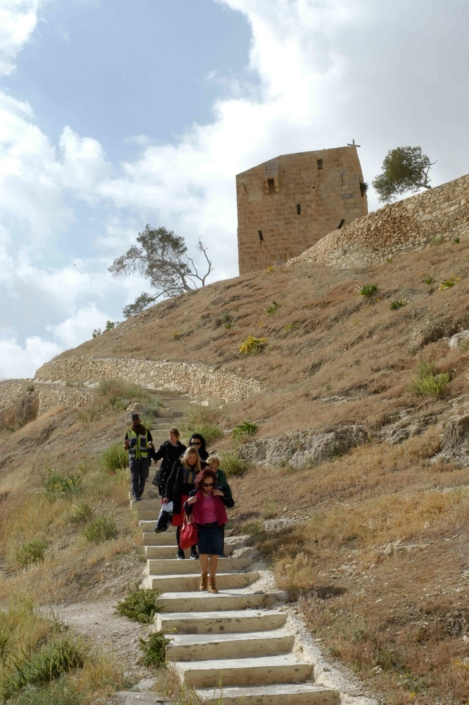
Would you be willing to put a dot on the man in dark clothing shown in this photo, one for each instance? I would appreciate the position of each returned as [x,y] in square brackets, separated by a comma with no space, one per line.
[169,452]
[139,443]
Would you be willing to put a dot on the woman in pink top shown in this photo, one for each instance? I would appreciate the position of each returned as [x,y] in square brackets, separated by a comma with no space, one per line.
[207,505]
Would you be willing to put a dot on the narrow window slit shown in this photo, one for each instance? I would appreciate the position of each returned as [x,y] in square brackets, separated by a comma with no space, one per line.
[341,223]
[271,186]
[298,209]
[320,166]
[261,237]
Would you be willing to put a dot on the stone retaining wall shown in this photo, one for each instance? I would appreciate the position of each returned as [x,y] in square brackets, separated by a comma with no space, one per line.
[405,226]
[183,377]
[52,396]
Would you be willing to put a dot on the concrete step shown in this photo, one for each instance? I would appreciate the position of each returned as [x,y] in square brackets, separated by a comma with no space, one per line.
[147,515]
[167,538]
[203,647]
[206,602]
[220,622]
[148,526]
[284,694]
[158,552]
[186,583]
[145,505]
[173,566]
[265,670]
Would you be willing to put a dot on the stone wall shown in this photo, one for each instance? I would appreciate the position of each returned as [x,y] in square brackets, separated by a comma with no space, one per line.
[405,226]
[51,396]
[183,377]
[287,204]
[18,403]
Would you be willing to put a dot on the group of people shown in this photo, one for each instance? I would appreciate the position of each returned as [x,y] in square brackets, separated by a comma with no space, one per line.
[192,483]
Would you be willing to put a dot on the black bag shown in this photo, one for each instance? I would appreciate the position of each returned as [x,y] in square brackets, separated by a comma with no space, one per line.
[164,519]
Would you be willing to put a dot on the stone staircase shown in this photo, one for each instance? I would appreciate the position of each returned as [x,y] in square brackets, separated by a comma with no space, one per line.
[234,647]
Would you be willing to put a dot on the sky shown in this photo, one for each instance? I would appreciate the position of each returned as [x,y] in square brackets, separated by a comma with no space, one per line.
[115,114]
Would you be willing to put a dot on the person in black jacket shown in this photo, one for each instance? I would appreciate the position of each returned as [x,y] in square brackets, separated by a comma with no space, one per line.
[180,483]
[168,453]
[198,442]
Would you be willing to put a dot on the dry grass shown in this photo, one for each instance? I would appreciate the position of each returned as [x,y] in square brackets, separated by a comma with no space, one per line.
[340,345]
[169,685]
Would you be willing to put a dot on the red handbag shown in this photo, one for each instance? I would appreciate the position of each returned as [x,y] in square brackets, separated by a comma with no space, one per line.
[189,535]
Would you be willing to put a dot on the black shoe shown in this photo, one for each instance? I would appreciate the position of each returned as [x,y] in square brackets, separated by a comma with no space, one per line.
[180,554]
[137,499]
[194,555]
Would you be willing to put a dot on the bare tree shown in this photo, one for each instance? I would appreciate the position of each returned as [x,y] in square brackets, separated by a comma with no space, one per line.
[161,256]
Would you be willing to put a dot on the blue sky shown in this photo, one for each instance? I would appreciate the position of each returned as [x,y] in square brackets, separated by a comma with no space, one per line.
[117,114]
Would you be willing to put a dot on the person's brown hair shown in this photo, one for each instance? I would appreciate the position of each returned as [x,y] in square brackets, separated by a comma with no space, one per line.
[203,474]
[192,450]
[175,431]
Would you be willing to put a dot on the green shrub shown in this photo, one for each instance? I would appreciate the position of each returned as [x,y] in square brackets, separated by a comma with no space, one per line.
[226,319]
[292,326]
[368,289]
[139,605]
[49,663]
[436,241]
[233,465]
[447,283]
[427,382]
[100,529]
[154,649]
[398,303]
[114,457]
[31,552]
[273,308]
[203,420]
[56,485]
[252,345]
[118,393]
[428,280]
[60,692]
[150,414]
[246,428]
[211,432]
[456,240]
[79,514]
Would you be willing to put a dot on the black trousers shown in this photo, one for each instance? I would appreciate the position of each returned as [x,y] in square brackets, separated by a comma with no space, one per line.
[139,470]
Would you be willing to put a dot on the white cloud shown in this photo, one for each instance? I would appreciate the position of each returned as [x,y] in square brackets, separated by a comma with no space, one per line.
[18,19]
[80,326]
[18,360]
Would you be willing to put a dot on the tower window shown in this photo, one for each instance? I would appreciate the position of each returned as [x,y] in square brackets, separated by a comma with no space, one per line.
[298,209]
[271,186]
[341,224]
[320,165]
[261,237]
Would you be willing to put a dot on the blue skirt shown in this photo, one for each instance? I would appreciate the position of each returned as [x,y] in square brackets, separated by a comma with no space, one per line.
[210,539]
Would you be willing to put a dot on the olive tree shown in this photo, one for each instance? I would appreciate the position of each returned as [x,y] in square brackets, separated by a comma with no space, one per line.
[161,257]
[404,169]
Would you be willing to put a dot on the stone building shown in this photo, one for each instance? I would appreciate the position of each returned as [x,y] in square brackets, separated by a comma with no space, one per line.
[287,204]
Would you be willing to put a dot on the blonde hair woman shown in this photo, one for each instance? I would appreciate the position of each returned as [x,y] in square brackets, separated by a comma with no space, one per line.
[178,487]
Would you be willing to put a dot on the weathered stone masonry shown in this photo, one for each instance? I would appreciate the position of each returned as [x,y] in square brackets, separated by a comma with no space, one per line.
[287,204]
[190,378]
[405,226]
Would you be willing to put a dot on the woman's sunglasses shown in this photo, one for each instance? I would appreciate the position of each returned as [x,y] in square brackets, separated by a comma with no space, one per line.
[207,484]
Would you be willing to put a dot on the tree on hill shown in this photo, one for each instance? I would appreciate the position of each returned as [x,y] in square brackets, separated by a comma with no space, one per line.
[161,256]
[404,169]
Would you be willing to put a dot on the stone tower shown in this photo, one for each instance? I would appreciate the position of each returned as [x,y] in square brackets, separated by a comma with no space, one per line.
[287,204]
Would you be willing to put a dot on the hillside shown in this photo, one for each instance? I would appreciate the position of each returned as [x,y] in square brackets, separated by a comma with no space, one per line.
[357,492]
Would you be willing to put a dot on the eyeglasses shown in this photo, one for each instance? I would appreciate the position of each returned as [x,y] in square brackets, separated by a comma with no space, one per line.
[207,484]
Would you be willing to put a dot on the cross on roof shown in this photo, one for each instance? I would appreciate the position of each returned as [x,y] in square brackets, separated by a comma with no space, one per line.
[353,144]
